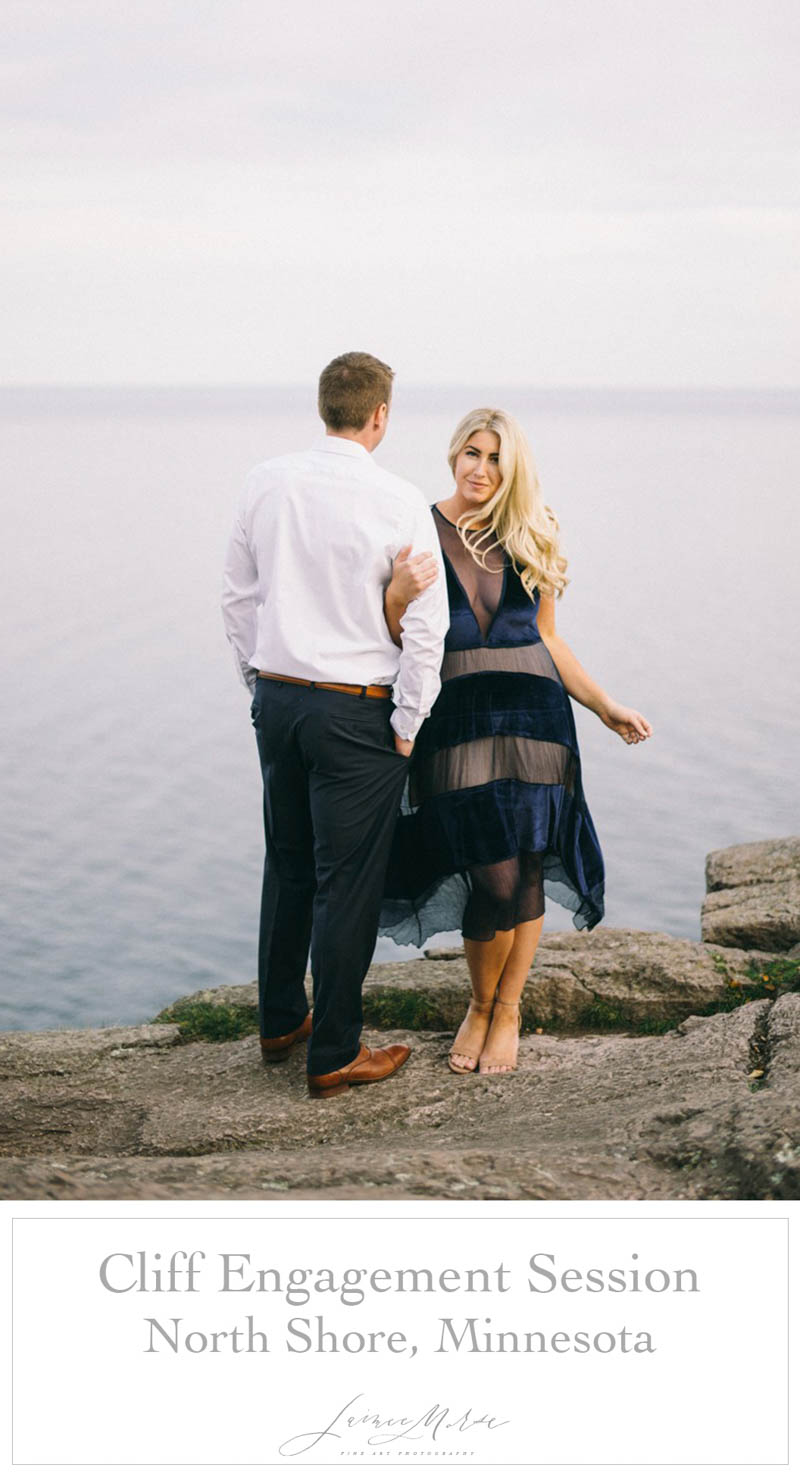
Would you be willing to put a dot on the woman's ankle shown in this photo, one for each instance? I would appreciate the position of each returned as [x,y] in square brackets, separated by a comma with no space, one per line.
[481,1005]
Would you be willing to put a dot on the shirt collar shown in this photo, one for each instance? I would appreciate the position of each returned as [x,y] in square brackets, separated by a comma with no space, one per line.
[345,446]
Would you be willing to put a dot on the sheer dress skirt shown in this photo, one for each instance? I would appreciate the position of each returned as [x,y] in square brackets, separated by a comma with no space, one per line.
[491,824]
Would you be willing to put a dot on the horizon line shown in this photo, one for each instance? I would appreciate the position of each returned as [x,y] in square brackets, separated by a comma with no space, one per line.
[416,385]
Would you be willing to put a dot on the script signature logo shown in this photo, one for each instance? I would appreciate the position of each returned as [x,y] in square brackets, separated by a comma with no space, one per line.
[389,1429]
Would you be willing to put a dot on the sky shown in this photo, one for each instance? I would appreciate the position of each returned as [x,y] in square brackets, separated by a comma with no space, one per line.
[536,192]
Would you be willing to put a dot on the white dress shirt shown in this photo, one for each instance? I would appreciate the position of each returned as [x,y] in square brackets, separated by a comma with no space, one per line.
[308,561]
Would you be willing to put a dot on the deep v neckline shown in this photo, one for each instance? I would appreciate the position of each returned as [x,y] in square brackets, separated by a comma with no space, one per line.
[456,577]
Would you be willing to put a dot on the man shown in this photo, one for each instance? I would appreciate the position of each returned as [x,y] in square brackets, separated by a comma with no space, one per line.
[336,707]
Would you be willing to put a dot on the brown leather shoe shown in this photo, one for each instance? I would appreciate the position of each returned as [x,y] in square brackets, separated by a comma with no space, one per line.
[369,1065]
[273,1050]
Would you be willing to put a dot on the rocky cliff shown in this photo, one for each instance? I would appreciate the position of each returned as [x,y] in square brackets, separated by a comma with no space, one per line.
[650,1067]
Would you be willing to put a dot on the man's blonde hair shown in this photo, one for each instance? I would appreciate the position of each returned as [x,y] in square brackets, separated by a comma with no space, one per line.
[518,519]
[350,389]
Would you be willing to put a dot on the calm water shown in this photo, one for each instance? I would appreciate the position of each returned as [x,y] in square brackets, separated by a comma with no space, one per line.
[131,814]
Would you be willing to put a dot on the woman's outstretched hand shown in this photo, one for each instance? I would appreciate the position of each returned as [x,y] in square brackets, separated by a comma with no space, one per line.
[411,575]
[628,723]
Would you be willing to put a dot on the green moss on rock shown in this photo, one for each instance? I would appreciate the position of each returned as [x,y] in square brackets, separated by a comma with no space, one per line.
[404,1007]
[765,980]
[615,1017]
[214,1022]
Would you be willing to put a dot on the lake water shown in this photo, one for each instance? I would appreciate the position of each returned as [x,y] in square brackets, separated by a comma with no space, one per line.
[131,807]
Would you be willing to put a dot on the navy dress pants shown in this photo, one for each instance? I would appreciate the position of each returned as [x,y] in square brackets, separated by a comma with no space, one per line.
[333,782]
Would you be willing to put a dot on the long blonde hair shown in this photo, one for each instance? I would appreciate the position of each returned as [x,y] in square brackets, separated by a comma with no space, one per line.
[519,521]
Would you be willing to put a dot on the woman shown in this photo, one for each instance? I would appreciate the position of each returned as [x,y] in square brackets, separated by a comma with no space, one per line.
[496,809]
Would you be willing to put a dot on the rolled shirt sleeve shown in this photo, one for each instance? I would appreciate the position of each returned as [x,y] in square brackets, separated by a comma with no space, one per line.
[240,601]
[424,627]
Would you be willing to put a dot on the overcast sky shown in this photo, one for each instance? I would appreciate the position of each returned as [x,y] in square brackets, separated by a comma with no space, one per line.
[551,192]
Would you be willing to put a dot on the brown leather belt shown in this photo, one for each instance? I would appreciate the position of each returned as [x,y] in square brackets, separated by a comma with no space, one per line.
[364,691]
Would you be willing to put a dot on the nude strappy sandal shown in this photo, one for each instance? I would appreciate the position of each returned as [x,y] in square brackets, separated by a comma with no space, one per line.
[499,1069]
[484,1009]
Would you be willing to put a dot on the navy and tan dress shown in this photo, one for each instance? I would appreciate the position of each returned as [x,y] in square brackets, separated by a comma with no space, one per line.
[494,816]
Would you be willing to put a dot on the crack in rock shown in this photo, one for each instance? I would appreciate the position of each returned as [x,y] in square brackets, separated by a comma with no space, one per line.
[760,1046]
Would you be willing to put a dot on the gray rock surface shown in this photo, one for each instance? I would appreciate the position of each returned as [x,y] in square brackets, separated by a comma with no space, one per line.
[753,898]
[589,1116]
[606,978]
[709,1108]
[628,976]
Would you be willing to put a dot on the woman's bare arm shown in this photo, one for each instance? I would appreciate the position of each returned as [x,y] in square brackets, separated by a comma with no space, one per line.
[628,723]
